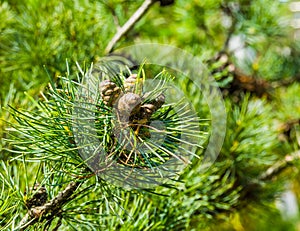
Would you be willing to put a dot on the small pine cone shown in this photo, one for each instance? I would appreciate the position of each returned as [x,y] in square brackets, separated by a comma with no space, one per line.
[147,110]
[110,92]
[39,196]
[159,101]
[130,83]
[129,104]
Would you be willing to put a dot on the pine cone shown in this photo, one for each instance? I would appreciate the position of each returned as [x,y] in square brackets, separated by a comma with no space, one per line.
[159,101]
[130,83]
[149,108]
[110,92]
[129,104]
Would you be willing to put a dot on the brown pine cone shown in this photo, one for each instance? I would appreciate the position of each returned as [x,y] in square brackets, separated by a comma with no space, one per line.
[159,101]
[110,92]
[129,104]
[149,108]
[130,83]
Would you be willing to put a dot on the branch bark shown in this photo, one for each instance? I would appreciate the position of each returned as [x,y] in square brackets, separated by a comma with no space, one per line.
[254,186]
[129,24]
[280,166]
[47,210]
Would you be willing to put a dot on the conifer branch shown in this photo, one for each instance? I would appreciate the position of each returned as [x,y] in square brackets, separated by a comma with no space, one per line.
[280,165]
[129,24]
[271,172]
[50,209]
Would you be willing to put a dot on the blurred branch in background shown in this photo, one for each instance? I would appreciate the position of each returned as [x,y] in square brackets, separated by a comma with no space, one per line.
[279,166]
[140,12]
[122,31]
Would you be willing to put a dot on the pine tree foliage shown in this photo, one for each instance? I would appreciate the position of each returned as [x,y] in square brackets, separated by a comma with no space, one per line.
[45,184]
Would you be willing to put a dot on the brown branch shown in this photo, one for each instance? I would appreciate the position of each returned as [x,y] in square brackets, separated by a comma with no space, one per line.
[129,24]
[248,83]
[241,82]
[49,209]
[255,185]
